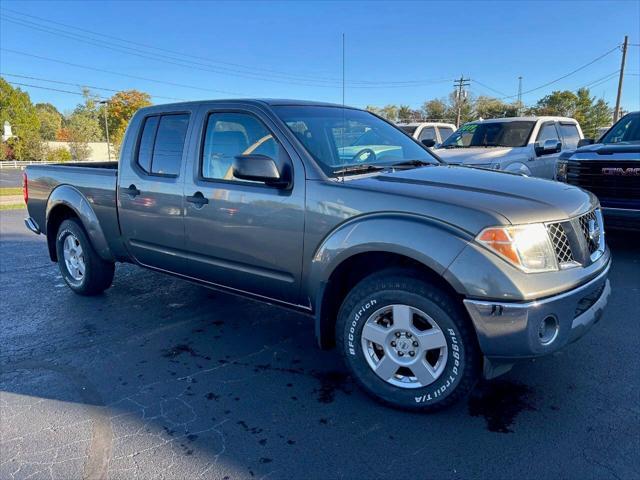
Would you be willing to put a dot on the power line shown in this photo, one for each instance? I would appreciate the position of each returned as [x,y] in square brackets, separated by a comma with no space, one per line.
[103,70]
[253,73]
[475,80]
[48,88]
[582,67]
[80,85]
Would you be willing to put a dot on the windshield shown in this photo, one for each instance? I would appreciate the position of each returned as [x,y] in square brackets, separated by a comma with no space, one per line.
[338,138]
[627,130]
[491,134]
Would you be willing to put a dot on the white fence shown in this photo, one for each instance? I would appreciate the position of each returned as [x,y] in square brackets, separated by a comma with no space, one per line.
[24,163]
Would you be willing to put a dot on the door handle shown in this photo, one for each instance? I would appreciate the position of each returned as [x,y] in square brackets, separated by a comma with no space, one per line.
[132,191]
[198,199]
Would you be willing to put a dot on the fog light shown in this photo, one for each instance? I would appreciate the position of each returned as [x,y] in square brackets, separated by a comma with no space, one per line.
[548,330]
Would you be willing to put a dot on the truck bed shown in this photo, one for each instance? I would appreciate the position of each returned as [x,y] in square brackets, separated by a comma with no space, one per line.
[95,181]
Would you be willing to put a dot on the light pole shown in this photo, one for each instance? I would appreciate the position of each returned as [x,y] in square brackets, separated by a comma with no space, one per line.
[106,126]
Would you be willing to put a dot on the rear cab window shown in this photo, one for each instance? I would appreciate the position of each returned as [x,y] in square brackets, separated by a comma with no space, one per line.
[162,144]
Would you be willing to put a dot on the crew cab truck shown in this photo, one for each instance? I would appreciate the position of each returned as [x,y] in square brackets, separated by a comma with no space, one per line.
[525,145]
[610,169]
[426,276]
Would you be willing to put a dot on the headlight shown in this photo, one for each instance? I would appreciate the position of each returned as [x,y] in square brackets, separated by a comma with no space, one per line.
[528,247]
[561,170]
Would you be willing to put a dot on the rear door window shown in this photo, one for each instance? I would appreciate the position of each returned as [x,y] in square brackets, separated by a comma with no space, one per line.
[162,144]
[570,135]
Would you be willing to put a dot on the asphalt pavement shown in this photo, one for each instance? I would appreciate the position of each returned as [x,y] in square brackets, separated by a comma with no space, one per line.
[160,378]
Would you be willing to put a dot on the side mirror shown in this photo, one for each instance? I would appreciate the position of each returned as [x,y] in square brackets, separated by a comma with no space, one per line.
[259,168]
[586,141]
[429,142]
[548,147]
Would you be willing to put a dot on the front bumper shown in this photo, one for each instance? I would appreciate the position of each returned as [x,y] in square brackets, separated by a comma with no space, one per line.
[509,331]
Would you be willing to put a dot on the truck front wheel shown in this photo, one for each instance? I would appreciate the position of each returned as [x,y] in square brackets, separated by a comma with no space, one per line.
[407,342]
[81,267]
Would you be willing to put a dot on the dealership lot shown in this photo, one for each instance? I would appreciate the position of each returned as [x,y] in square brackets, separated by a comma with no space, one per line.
[162,378]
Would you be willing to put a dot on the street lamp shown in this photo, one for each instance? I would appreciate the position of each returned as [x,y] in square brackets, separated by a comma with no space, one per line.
[106,126]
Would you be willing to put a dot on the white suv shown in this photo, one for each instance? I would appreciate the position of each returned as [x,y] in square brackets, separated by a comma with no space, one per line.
[421,131]
[526,145]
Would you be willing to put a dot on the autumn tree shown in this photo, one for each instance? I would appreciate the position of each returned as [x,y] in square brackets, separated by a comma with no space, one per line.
[83,127]
[120,109]
[17,109]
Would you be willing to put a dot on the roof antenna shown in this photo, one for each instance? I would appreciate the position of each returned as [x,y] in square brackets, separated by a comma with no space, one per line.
[344,126]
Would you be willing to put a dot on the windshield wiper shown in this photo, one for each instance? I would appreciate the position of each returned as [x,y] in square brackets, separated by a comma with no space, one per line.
[412,163]
[364,168]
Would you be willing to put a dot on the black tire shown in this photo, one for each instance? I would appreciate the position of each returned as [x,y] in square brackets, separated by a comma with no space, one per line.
[98,273]
[393,287]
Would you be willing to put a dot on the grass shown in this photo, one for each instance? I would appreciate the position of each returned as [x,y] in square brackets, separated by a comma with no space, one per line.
[12,206]
[5,191]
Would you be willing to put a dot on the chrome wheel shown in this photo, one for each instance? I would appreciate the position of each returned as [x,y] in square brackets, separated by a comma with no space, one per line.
[404,346]
[74,257]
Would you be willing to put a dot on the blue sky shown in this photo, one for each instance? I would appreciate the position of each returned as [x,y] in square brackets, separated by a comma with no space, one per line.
[396,52]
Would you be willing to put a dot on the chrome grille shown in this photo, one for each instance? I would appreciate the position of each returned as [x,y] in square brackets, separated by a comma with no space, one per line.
[578,241]
[560,243]
[585,220]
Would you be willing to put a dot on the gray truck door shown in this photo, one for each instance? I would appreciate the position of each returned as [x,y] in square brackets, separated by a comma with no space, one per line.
[241,234]
[150,192]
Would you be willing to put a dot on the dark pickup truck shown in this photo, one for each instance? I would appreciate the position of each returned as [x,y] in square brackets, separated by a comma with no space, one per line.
[610,169]
[426,276]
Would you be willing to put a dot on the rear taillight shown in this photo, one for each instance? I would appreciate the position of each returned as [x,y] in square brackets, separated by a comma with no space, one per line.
[25,187]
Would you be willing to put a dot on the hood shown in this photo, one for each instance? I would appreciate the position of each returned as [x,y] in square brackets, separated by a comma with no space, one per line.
[516,198]
[610,148]
[475,155]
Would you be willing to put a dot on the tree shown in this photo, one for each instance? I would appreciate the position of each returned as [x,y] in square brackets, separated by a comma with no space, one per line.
[406,114]
[466,102]
[83,128]
[17,109]
[600,115]
[489,107]
[50,121]
[435,109]
[559,103]
[390,112]
[120,109]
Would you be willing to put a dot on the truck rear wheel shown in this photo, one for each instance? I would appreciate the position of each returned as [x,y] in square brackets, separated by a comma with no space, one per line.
[408,343]
[81,267]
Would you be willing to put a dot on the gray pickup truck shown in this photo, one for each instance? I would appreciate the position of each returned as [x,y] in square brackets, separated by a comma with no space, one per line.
[426,276]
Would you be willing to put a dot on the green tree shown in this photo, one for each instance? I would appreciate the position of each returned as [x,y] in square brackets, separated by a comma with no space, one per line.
[50,121]
[467,110]
[489,107]
[120,109]
[390,112]
[406,114]
[559,103]
[83,128]
[600,115]
[17,109]
[435,109]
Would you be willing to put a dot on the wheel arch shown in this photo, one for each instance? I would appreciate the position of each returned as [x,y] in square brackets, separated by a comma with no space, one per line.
[68,202]
[363,247]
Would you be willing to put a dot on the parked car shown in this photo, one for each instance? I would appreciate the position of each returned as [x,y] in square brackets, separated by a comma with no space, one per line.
[611,170]
[526,145]
[426,276]
[436,132]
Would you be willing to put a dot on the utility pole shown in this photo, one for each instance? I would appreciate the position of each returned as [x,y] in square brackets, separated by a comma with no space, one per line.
[616,112]
[519,94]
[106,127]
[460,84]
